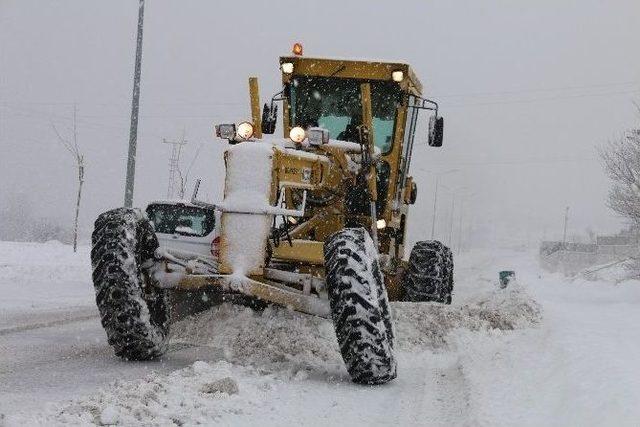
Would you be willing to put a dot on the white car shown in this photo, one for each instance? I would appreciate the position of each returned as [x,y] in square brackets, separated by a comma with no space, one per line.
[184,229]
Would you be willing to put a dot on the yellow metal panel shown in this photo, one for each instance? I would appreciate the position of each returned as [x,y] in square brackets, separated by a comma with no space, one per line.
[372,70]
[309,251]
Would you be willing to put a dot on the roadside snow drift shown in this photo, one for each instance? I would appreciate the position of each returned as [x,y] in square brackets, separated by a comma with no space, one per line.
[266,351]
[43,282]
[198,394]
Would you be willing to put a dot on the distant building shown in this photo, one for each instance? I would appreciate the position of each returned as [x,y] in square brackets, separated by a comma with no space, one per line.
[626,237]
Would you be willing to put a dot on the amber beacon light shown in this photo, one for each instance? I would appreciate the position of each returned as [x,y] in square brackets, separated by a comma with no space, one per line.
[297,49]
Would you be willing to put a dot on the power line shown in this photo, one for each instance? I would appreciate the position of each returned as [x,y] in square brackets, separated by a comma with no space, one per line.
[554,89]
[510,162]
[45,116]
[122,104]
[529,101]
[459,95]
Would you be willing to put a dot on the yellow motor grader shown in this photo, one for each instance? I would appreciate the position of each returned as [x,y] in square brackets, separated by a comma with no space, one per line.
[315,220]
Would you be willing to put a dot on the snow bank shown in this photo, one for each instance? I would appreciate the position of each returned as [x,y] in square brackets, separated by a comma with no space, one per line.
[198,394]
[578,369]
[478,362]
[51,261]
[42,277]
[420,325]
[267,353]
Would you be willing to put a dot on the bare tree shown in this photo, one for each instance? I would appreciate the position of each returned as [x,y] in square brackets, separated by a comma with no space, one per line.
[72,147]
[621,159]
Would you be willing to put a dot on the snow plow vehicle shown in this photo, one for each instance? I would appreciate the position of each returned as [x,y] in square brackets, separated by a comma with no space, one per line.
[315,221]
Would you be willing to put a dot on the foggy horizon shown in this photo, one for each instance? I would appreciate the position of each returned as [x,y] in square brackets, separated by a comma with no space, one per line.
[528,92]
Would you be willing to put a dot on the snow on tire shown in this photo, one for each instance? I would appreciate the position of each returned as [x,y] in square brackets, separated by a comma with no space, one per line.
[134,315]
[429,275]
[359,306]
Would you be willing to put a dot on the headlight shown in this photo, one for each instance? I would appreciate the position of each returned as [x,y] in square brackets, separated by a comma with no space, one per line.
[245,130]
[287,67]
[380,224]
[397,76]
[297,134]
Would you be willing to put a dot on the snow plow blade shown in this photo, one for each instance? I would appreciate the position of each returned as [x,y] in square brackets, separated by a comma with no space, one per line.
[269,292]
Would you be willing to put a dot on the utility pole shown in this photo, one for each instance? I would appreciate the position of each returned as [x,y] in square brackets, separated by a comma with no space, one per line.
[133,131]
[174,167]
[435,206]
[566,221]
[435,201]
[460,230]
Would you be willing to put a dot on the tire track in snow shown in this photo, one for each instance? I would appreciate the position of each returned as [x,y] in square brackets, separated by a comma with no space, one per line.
[58,319]
[438,394]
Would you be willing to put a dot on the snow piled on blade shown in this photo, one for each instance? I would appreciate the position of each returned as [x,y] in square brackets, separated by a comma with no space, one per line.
[247,186]
[276,339]
[285,341]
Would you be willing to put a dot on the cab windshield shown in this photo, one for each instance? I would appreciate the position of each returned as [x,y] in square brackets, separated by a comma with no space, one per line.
[334,104]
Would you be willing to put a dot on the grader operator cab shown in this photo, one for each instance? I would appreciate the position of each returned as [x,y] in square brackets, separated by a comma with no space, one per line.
[315,221]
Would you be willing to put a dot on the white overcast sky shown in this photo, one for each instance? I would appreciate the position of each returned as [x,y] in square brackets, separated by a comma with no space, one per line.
[528,89]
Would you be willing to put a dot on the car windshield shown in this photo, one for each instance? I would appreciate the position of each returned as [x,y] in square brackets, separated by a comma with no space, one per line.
[334,104]
[187,220]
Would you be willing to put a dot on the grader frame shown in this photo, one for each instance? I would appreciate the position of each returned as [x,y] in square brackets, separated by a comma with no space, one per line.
[292,274]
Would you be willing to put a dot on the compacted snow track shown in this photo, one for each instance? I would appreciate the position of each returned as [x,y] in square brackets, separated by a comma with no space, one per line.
[567,356]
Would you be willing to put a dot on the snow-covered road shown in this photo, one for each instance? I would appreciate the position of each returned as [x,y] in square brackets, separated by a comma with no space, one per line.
[486,360]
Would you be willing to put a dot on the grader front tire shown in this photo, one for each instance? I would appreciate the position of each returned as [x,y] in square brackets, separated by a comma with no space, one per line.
[359,306]
[134,316]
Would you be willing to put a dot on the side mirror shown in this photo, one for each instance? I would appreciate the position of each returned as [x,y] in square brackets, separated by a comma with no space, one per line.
[436,131]
[269,118]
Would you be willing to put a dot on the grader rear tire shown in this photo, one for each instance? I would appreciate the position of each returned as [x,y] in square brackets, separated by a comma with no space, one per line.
[359,306]
[134,314]
[429,276]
